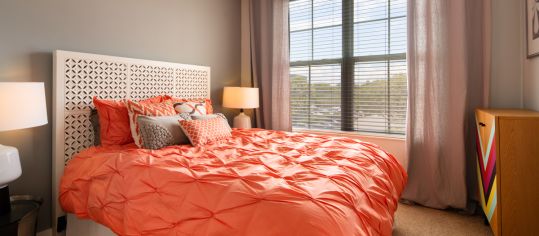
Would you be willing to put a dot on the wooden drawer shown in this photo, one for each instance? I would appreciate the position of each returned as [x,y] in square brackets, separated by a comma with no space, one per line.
[486,125]
[508,169]
[519,175]
[486,167]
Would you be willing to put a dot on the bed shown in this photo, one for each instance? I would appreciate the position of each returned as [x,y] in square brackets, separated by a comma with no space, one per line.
[258,182]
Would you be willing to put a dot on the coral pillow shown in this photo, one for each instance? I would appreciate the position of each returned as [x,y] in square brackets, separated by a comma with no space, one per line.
[201,132]
[113,122]
[136,109]
[113,119]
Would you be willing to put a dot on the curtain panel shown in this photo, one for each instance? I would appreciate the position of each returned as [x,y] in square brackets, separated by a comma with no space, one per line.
[448,71]
[265,60]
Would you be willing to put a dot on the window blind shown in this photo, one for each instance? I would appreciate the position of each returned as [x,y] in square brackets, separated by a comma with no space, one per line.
[348,65]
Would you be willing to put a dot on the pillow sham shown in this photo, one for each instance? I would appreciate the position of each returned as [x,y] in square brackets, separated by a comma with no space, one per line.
[113,122]
[137,109]
[94,119]
[113,117]
[204,101]
[201,132]
[160,131]
[209,116]
[185,116]
[191,107]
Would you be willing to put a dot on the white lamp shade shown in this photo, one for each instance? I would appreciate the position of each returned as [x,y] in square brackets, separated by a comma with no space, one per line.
[240,97]
[22,105]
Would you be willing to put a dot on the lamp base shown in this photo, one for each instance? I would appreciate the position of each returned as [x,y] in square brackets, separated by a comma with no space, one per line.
[10,169]
[5,203]
[242,121]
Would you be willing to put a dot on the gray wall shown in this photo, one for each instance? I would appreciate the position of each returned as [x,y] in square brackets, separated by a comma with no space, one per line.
[507,54]
[203,32]
[515,78]
[530,88]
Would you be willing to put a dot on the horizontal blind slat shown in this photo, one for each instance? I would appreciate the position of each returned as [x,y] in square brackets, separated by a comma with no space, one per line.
[380,88]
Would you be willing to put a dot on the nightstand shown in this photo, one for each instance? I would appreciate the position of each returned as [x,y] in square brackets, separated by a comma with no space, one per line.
[22,219]
[507,169]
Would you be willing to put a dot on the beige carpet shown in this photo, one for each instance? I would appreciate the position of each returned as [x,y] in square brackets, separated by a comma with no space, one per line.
[417,220]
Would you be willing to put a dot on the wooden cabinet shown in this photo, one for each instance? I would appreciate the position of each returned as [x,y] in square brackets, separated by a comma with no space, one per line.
[508,169]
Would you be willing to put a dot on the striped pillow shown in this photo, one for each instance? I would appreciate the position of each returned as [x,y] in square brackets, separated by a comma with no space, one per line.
[137,109]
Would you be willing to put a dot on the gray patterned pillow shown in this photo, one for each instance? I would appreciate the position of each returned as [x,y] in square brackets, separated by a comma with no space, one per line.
[161,131]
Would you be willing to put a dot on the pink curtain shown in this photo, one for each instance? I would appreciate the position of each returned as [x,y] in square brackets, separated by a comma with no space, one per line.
[449,64]
[265,44]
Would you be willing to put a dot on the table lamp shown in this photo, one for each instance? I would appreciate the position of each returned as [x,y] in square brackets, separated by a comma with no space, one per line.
[241,98]
[22,105]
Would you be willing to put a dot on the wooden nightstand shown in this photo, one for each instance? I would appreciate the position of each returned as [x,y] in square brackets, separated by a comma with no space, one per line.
[22,219]
[508,169]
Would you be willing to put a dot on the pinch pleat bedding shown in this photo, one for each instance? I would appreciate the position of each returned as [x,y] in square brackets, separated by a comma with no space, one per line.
[258,182]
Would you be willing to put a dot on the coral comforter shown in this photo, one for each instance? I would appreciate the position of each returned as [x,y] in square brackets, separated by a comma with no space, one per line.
[259,182]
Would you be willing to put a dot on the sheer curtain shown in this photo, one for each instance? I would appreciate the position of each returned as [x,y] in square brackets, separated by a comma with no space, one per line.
[265,60]
[449,64]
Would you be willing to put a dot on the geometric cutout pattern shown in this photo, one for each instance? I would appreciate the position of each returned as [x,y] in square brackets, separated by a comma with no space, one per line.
[85,79]
[159,79]
[191,83]
[78,133]
[118,78]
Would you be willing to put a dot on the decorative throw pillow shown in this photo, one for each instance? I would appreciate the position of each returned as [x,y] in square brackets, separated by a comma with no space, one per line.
[94,119]
[156,99]
[113,122]
[114,125]
[209,116]
[191,107]
[137,109]
[185,116]
[201,132]
[161,131]
[205,101]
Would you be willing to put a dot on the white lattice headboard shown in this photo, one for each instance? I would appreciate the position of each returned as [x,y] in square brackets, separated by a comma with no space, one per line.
[78,77]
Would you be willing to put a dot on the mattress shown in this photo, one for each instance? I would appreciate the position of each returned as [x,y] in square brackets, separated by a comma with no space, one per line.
[258,182]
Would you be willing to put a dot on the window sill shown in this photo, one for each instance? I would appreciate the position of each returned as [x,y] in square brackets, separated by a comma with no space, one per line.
[353,134]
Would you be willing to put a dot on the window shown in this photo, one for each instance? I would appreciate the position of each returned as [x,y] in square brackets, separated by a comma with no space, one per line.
[348,65]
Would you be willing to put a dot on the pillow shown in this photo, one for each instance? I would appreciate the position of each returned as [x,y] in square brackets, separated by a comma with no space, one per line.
[113,122]
[201,132]
[161,131]
[94,119]
[185,116]
[137,109]
[205,101]
[156,99]
[209,116]
[191,107]
[114,125]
